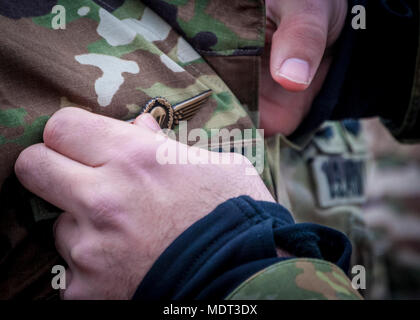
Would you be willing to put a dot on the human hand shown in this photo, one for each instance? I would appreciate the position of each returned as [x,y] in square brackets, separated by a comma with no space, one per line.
[296,58]
[121,208]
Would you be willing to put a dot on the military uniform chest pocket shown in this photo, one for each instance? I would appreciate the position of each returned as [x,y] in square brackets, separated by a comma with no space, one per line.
[139,57]
[150,60]
[117,63]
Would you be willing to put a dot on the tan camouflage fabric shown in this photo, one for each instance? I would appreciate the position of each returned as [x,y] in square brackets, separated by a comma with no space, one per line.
[326,180]
[297,279]
[393,214]
[111,58]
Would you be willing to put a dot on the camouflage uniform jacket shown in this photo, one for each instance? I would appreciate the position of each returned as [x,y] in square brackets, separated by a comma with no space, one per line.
[111,58]
[325,170]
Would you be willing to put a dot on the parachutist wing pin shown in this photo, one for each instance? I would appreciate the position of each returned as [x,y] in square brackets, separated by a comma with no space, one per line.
[169,116]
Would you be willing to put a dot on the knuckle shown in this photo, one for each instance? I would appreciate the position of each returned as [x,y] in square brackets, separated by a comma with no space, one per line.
[23,164]
[103,208]
[58,226]
[137,158]
[61,225]
[57,125]
[309,26]
[100,124]
[29,161]
[314,7]
[308,29]
[82,255]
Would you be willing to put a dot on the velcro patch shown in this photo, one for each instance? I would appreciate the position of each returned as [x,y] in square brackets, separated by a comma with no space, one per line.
[340,180]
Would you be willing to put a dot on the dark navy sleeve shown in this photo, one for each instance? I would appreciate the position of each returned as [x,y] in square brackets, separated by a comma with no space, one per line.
[233,242]
[373,70]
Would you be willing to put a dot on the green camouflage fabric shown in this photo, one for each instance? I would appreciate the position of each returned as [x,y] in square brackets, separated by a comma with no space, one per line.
[112,58]
[325,183]
[297,279]
[393,214]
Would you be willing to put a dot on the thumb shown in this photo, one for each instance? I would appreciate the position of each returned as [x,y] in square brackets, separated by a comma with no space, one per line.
[299,42]
[147,120]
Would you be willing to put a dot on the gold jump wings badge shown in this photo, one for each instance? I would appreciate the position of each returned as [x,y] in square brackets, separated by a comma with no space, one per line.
[169,116]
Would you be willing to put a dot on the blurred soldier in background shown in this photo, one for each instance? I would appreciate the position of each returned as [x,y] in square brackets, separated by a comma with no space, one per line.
[326,183]
[393,214]
[325,170]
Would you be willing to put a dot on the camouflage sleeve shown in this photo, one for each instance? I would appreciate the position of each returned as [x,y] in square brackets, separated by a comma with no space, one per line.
[112,58]
[297,279]
[238,239]
[392,214]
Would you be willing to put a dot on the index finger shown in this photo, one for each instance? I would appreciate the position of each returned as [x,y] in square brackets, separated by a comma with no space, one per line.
[86,137]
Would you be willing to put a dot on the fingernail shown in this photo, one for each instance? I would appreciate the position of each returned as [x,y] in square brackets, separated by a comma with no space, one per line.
[295,70]
[149,121]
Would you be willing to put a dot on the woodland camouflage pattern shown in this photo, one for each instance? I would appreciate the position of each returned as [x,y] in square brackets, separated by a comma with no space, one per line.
[299,279]
[112,58]
[393,214]
[334,143]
